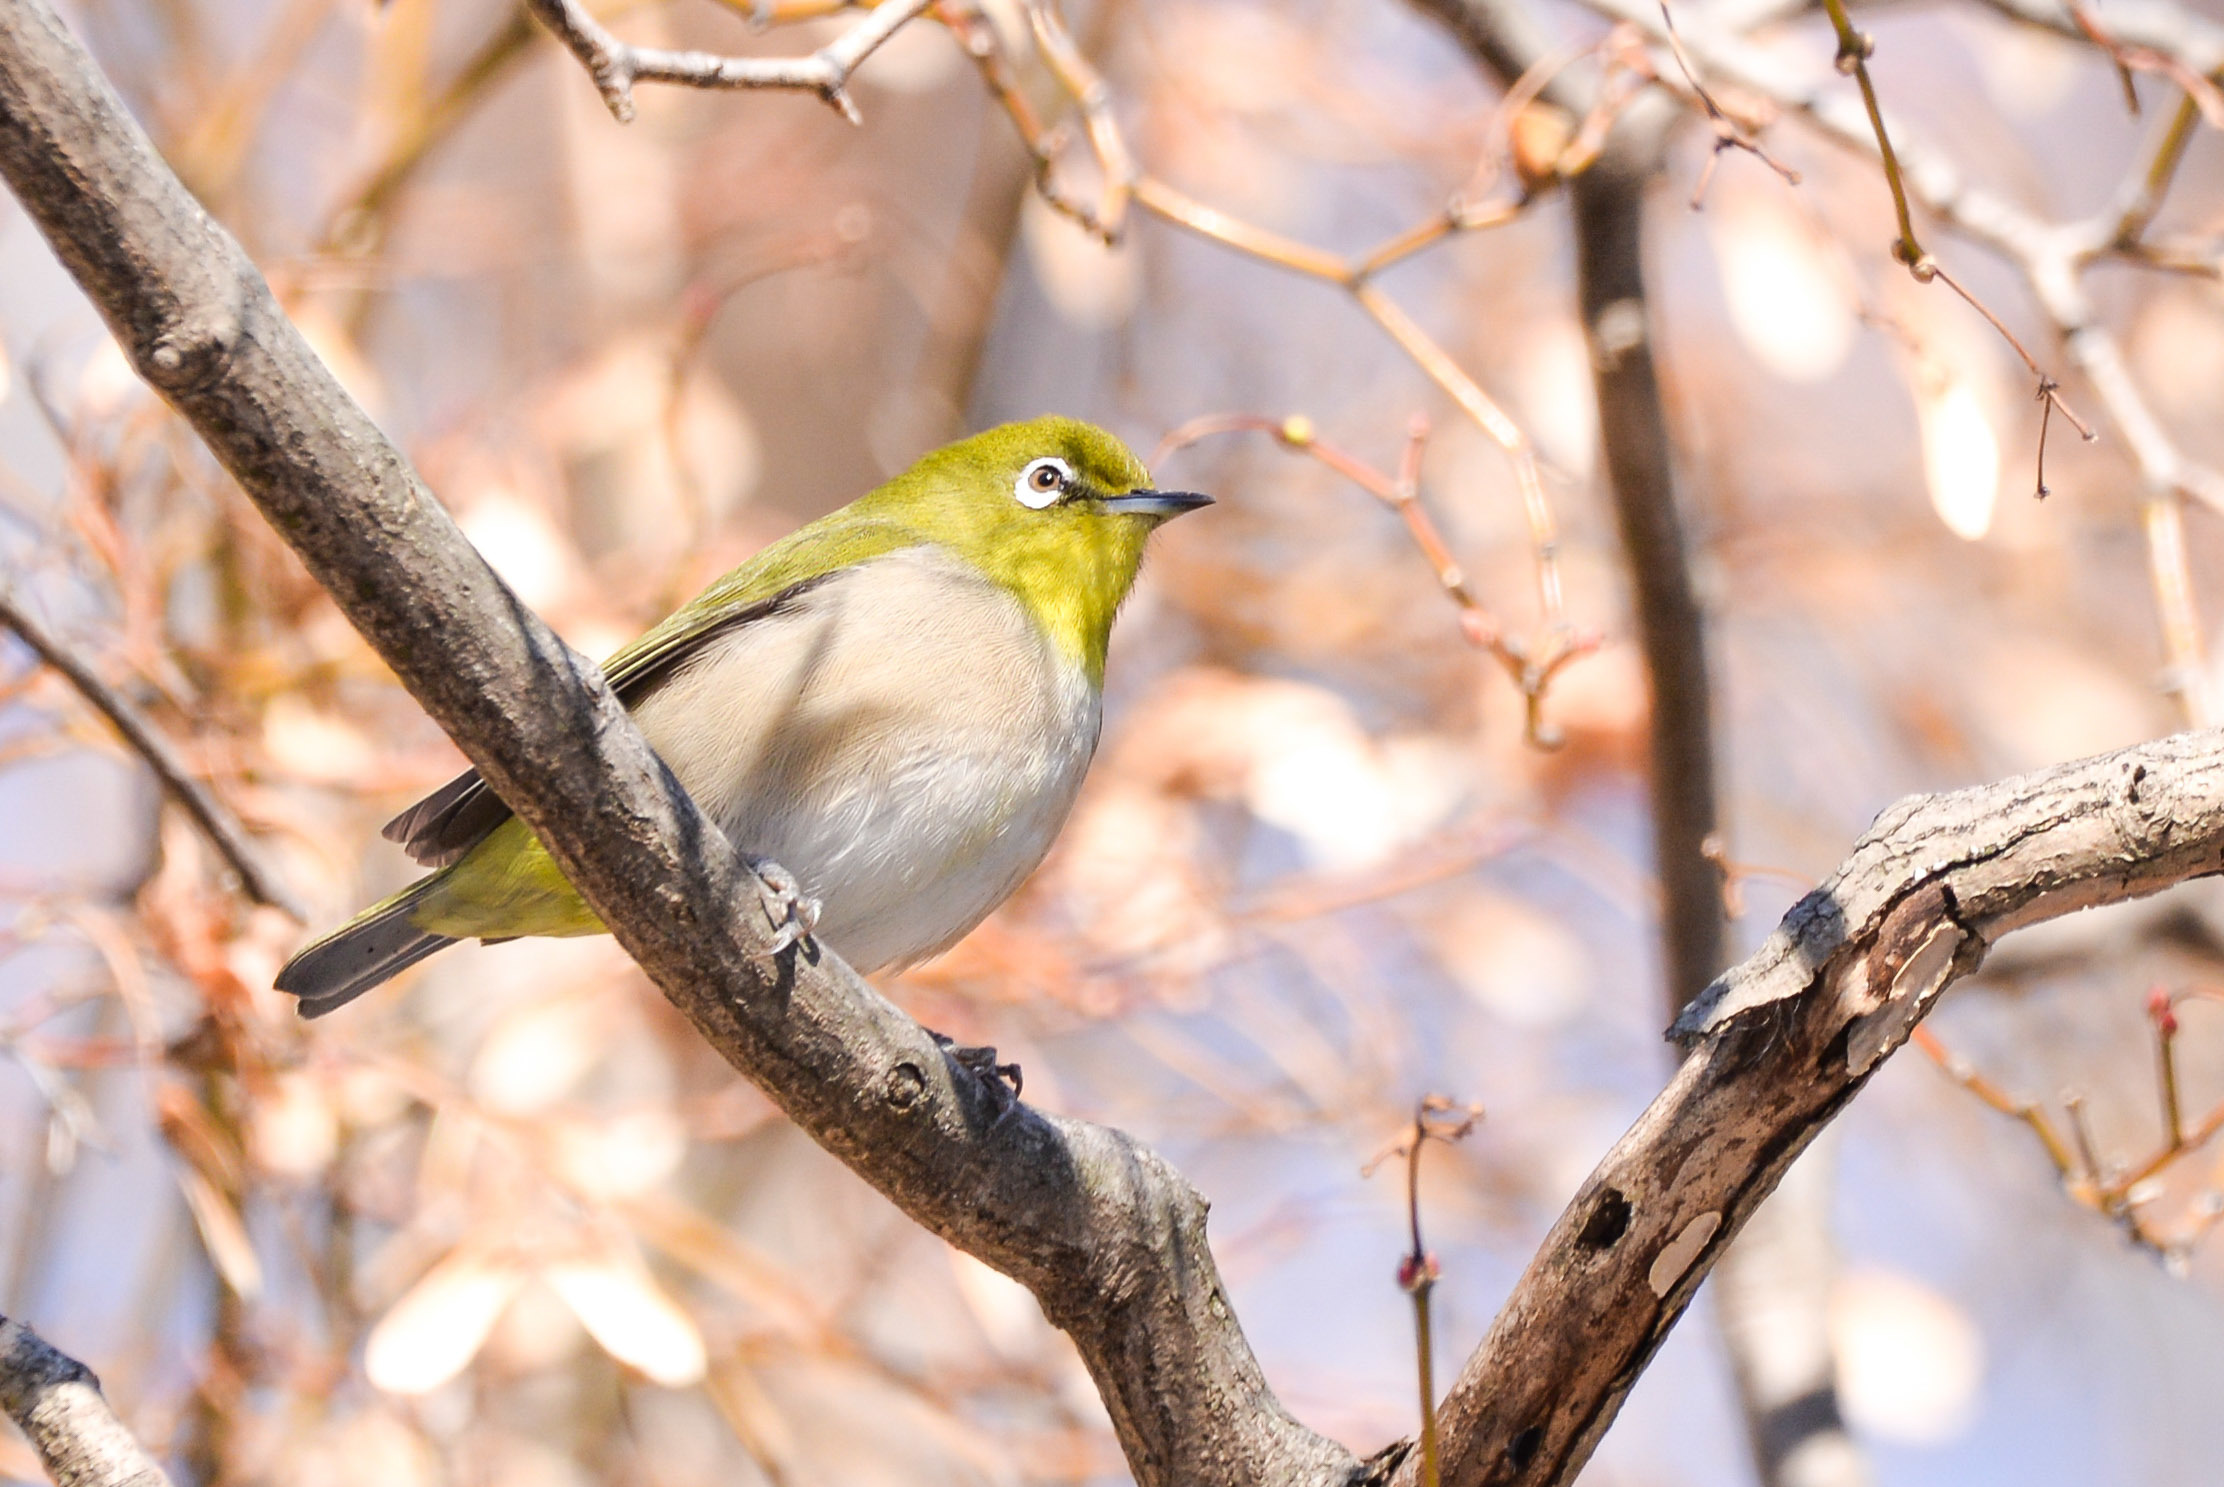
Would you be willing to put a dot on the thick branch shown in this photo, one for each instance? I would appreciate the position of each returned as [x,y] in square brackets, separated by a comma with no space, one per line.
[1777,1048]
[56,1402]
[1109,1238]
[217,823]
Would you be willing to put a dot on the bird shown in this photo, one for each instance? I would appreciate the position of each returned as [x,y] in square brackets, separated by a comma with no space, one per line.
[889,712]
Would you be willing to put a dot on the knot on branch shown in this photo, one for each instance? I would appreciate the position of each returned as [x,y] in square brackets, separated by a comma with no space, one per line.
[186,351]
[905,1084]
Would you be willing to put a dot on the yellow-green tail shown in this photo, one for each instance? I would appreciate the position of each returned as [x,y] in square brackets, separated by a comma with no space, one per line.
[373,947]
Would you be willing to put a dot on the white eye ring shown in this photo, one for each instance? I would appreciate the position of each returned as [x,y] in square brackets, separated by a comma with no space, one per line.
[1042,482]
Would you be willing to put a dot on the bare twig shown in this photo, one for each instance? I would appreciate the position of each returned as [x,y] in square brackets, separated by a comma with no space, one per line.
[1965,1074]
[423,129]
[1532,673]
[2118,1195]
[2143,197]
[217,823]
[57,1403]
[1736,874]
[2052,259]
[1125,182]
[1854,50]
[2188,38]
[616,66]
[1435,1118]
[2164,1016]
[2130,58]
[1728,133]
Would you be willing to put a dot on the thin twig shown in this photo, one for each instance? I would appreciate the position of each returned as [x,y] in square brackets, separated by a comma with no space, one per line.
[616,66]
[2081,1135]
[1736,874]
[2169,568]
[1532,673]
[1435,1118]
[1965,1074]
[1854,50]
[2144,199]
[1125,182]
[2051,257]
[1728,133]
[2130,58]
[1927,268]
[222,829]
[422,129]
[2165,1019]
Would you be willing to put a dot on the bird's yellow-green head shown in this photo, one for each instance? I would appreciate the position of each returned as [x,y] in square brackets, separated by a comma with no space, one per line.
[1055,510]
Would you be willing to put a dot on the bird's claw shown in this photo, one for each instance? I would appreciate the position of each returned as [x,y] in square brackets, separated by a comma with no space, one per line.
[790,912]
[1003,1081]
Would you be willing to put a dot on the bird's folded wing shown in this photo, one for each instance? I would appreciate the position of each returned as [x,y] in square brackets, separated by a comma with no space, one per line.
[460,814]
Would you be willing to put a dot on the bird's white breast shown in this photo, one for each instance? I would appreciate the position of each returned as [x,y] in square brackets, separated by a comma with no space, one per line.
[902,737]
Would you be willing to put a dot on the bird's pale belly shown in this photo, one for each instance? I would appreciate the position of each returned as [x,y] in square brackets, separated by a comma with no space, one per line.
[905,742]
[921,849]
[903,739]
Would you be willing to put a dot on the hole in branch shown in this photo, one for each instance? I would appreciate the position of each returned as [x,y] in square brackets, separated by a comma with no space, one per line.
[1608,1222]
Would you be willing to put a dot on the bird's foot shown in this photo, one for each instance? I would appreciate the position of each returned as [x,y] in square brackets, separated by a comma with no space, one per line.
[790,912]
[1003,1081]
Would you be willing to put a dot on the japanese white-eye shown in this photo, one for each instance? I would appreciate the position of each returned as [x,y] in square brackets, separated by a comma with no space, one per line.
[896,704]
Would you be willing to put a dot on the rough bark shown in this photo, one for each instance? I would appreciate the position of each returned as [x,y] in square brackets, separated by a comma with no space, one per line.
[56,1402]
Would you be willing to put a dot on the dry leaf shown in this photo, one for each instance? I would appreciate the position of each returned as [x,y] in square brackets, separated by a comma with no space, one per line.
[439,1325]
[623,1308]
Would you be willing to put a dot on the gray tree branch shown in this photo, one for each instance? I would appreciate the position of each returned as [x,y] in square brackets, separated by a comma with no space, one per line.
[56,1402]
[1776,1048]
[1109,1238]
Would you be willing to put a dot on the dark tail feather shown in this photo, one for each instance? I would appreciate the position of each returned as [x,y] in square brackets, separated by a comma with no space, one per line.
[373,948]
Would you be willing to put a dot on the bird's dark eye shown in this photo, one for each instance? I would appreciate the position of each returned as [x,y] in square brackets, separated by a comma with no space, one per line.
[1042,482]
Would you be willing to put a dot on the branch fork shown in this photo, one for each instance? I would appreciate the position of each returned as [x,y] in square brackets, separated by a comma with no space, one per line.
[615,66]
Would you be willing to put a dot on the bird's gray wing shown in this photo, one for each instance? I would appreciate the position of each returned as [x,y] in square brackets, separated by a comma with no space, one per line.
[462,813]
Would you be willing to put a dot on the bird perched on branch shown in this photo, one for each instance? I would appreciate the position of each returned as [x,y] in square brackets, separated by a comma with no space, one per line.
[889,710]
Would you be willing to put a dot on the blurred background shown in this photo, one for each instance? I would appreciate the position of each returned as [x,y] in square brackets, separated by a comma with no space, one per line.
[507,1223]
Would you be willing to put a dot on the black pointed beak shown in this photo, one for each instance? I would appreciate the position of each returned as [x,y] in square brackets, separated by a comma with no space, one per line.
[1157,503]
